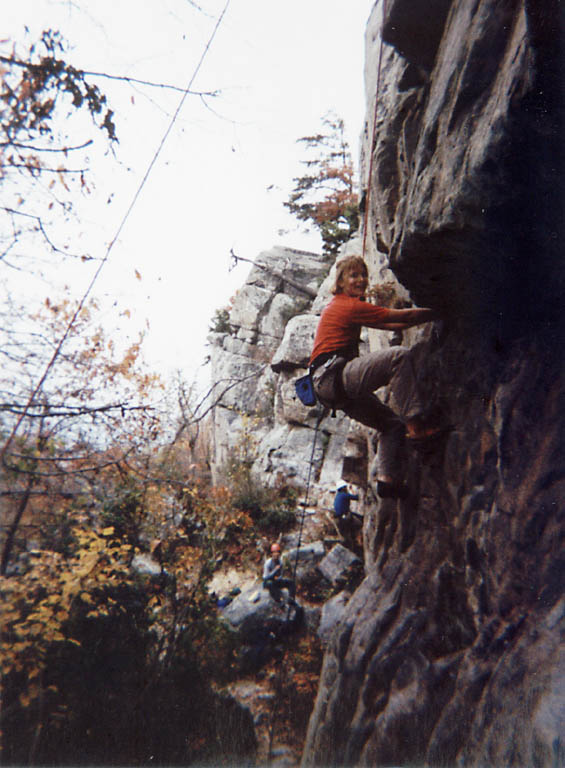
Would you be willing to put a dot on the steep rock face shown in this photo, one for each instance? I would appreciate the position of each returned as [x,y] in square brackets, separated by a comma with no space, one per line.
[450,651]
[257,401]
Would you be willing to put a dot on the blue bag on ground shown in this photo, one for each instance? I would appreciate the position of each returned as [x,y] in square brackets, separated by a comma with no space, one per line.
[305,390]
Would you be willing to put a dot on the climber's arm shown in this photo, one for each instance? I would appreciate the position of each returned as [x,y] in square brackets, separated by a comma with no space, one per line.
[400,319]
[393,327]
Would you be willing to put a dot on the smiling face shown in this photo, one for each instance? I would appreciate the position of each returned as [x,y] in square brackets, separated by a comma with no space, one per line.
[354,282]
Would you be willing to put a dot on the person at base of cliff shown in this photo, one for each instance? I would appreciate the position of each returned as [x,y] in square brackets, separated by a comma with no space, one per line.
[273,579]
[342,511]
[346,381]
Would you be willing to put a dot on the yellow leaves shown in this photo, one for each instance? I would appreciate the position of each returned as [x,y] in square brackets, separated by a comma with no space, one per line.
[35,606]
[109,531]
[52,600]
[29,695]
[100,611]
[87,563]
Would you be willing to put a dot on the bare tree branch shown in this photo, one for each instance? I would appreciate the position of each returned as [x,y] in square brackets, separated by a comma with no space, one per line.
[41,228]
[69,410]
[151,84]
[65,472]
[45,149]
[302,288]
[42,169]
[222,393]
[167,86]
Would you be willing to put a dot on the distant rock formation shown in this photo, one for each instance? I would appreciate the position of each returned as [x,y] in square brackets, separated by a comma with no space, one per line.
[281,285]
[272,323]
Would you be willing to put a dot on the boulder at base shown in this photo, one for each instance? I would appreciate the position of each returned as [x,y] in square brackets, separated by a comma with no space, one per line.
[254,610]
[339,564]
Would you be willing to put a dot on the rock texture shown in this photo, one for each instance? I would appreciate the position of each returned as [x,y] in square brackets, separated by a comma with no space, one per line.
[450,652]
[255,362]
[280,286]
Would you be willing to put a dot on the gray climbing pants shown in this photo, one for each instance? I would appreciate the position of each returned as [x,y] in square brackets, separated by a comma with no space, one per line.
[353,393]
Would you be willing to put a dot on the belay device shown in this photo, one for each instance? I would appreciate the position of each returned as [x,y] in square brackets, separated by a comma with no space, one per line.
[305,390]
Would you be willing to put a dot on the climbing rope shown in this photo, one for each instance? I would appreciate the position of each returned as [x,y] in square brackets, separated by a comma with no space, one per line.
[373,143]
[305,503]
[282,668]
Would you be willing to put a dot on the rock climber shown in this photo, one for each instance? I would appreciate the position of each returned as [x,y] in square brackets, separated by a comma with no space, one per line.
[272,576]
[344,380]
[343,499]
[342,511]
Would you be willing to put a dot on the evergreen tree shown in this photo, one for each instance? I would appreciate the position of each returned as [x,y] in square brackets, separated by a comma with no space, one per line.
[325,195]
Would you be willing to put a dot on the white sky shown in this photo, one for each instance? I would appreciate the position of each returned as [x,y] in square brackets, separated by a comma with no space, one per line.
[280,67]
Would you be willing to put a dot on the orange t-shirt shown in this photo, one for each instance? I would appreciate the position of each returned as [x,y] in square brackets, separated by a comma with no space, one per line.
[341,322]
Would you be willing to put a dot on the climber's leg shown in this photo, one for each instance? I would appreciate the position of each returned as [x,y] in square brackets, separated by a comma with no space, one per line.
[369,410]
[393,366]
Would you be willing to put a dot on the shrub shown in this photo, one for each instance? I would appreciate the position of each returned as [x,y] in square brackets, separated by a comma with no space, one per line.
[221,322]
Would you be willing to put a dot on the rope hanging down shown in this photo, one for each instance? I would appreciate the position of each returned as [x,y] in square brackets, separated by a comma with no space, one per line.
[300,530]
[318,422]
[103,262]
[305,503]
[373,143]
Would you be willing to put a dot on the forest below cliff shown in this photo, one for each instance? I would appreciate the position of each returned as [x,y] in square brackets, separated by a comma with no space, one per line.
[113,649]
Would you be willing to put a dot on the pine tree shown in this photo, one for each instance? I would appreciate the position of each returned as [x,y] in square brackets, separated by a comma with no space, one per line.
[325,195]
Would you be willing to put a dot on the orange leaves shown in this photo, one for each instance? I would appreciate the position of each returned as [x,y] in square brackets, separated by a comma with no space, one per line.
[29,695]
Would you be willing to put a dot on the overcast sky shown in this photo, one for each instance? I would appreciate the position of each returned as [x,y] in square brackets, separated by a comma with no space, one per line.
[226,168]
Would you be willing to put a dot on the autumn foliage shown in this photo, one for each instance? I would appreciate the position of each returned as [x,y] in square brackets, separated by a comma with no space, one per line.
[325,195]
[112,648]
[98,657]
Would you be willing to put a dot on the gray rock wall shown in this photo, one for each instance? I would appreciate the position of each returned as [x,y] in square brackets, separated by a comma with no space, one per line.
[450,652]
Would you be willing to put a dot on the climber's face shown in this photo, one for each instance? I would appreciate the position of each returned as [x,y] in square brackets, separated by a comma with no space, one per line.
[354,283]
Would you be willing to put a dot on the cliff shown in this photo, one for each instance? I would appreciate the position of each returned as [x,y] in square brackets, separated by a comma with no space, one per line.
[255,361]
[449,652]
